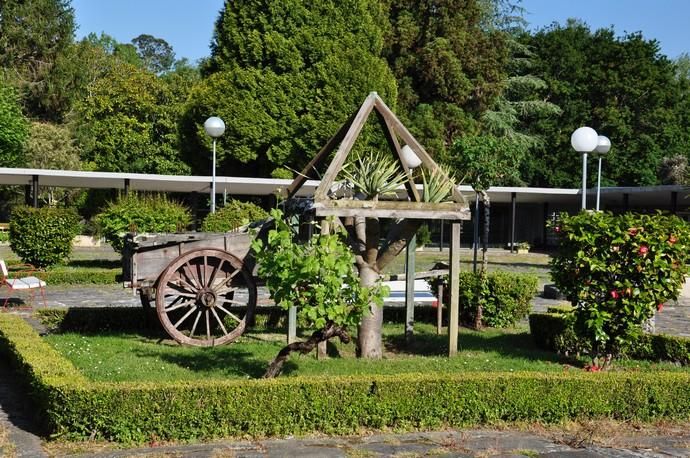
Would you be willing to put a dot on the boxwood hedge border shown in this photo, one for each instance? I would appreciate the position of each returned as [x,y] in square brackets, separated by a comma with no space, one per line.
[76,408]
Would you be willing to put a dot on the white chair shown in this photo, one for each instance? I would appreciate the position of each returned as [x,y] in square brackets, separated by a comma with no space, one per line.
[21,283]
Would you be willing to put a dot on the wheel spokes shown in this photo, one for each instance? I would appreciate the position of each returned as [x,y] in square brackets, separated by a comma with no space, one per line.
[174,306]
[196,321]
[220,322]
[189,273]
[230,301]
[215,271]
[186,315]
[230,314]
[208,326]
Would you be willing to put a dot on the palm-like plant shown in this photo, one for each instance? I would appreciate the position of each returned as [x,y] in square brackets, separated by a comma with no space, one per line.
[374,175]
[438,185]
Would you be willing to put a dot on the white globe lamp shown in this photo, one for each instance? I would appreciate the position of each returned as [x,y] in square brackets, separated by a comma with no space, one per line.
[214,127]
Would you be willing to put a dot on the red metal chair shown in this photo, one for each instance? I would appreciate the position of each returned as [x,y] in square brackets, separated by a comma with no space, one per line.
[22,283]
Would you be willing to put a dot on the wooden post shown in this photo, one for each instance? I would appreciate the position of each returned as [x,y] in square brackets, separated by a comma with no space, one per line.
[292,325]
[439,310]
[34,187]
[513,195]
[475,237]
[409,288]
[454,283]
[674,202]
[127,184]
[440,242]
[321,347]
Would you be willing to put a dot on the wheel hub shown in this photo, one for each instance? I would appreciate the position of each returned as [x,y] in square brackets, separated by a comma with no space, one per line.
[206,298]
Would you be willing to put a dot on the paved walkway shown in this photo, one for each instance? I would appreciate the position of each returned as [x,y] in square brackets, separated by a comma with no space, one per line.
[23,436]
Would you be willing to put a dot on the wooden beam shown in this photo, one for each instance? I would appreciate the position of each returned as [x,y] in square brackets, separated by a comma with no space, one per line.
[391,209]
[454,284]
[393,143]
[345,146]
[320,156]
[405,134]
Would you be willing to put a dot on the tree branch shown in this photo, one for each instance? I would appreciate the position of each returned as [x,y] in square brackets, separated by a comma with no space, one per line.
[321,335]
[406,230]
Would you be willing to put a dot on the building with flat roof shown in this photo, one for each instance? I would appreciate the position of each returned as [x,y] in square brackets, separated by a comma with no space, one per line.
[517,213]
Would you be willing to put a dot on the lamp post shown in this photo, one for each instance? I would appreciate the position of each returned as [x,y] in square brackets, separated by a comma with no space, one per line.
[603,147]
[214,127]
[411,161]
[584,140]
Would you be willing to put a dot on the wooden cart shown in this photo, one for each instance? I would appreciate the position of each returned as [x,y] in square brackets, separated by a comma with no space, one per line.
[203,284]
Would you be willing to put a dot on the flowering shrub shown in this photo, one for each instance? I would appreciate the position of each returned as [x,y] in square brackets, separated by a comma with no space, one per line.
[618,271]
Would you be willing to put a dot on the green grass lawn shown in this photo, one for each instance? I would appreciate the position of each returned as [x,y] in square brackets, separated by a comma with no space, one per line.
[98,265]
[133,357]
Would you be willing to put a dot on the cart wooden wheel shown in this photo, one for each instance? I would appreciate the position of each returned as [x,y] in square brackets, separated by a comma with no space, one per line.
[205,297]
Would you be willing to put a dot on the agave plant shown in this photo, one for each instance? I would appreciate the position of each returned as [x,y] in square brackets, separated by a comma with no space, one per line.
[438,185]
[374,175]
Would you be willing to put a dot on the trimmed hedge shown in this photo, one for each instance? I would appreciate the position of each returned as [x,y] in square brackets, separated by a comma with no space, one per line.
[69,275]
[508,301]
[43,236]
[555,332]
[138,412]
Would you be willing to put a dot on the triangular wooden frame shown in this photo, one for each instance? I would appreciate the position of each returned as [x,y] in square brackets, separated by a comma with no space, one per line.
[345,139]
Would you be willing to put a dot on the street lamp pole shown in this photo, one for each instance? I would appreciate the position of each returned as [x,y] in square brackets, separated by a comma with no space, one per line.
[584,140]
[214,127]
[603,147]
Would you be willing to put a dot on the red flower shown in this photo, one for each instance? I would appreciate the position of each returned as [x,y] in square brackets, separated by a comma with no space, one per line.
[632,231]
[672,239]
[615,294]
[659,307]
[643,250]
[557,229]
[592,368]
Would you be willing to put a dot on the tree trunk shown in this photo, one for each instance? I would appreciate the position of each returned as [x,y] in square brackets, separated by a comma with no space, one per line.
[321,335]
[369,334]
[485,261]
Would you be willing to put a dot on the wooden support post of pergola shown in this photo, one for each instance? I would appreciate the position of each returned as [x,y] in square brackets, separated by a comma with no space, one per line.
[409,289]
[454,285]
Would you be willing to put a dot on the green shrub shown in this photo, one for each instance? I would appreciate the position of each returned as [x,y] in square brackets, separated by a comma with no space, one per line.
[75,408]
[233,215]
[91,276]
[134,213]
[423,235]
[4,236]
[617,271]
[43,236]
[556,332]
[507,297]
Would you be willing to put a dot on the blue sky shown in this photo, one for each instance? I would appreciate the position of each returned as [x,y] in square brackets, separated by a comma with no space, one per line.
[188,25]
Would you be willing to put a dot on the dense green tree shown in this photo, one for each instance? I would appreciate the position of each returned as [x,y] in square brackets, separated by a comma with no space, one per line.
[520,104]
[486,161]
[156,54]
[33,35]
[128,123]
[284,76]
[622,87]
[51,146]
[449,61]
[13,128]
